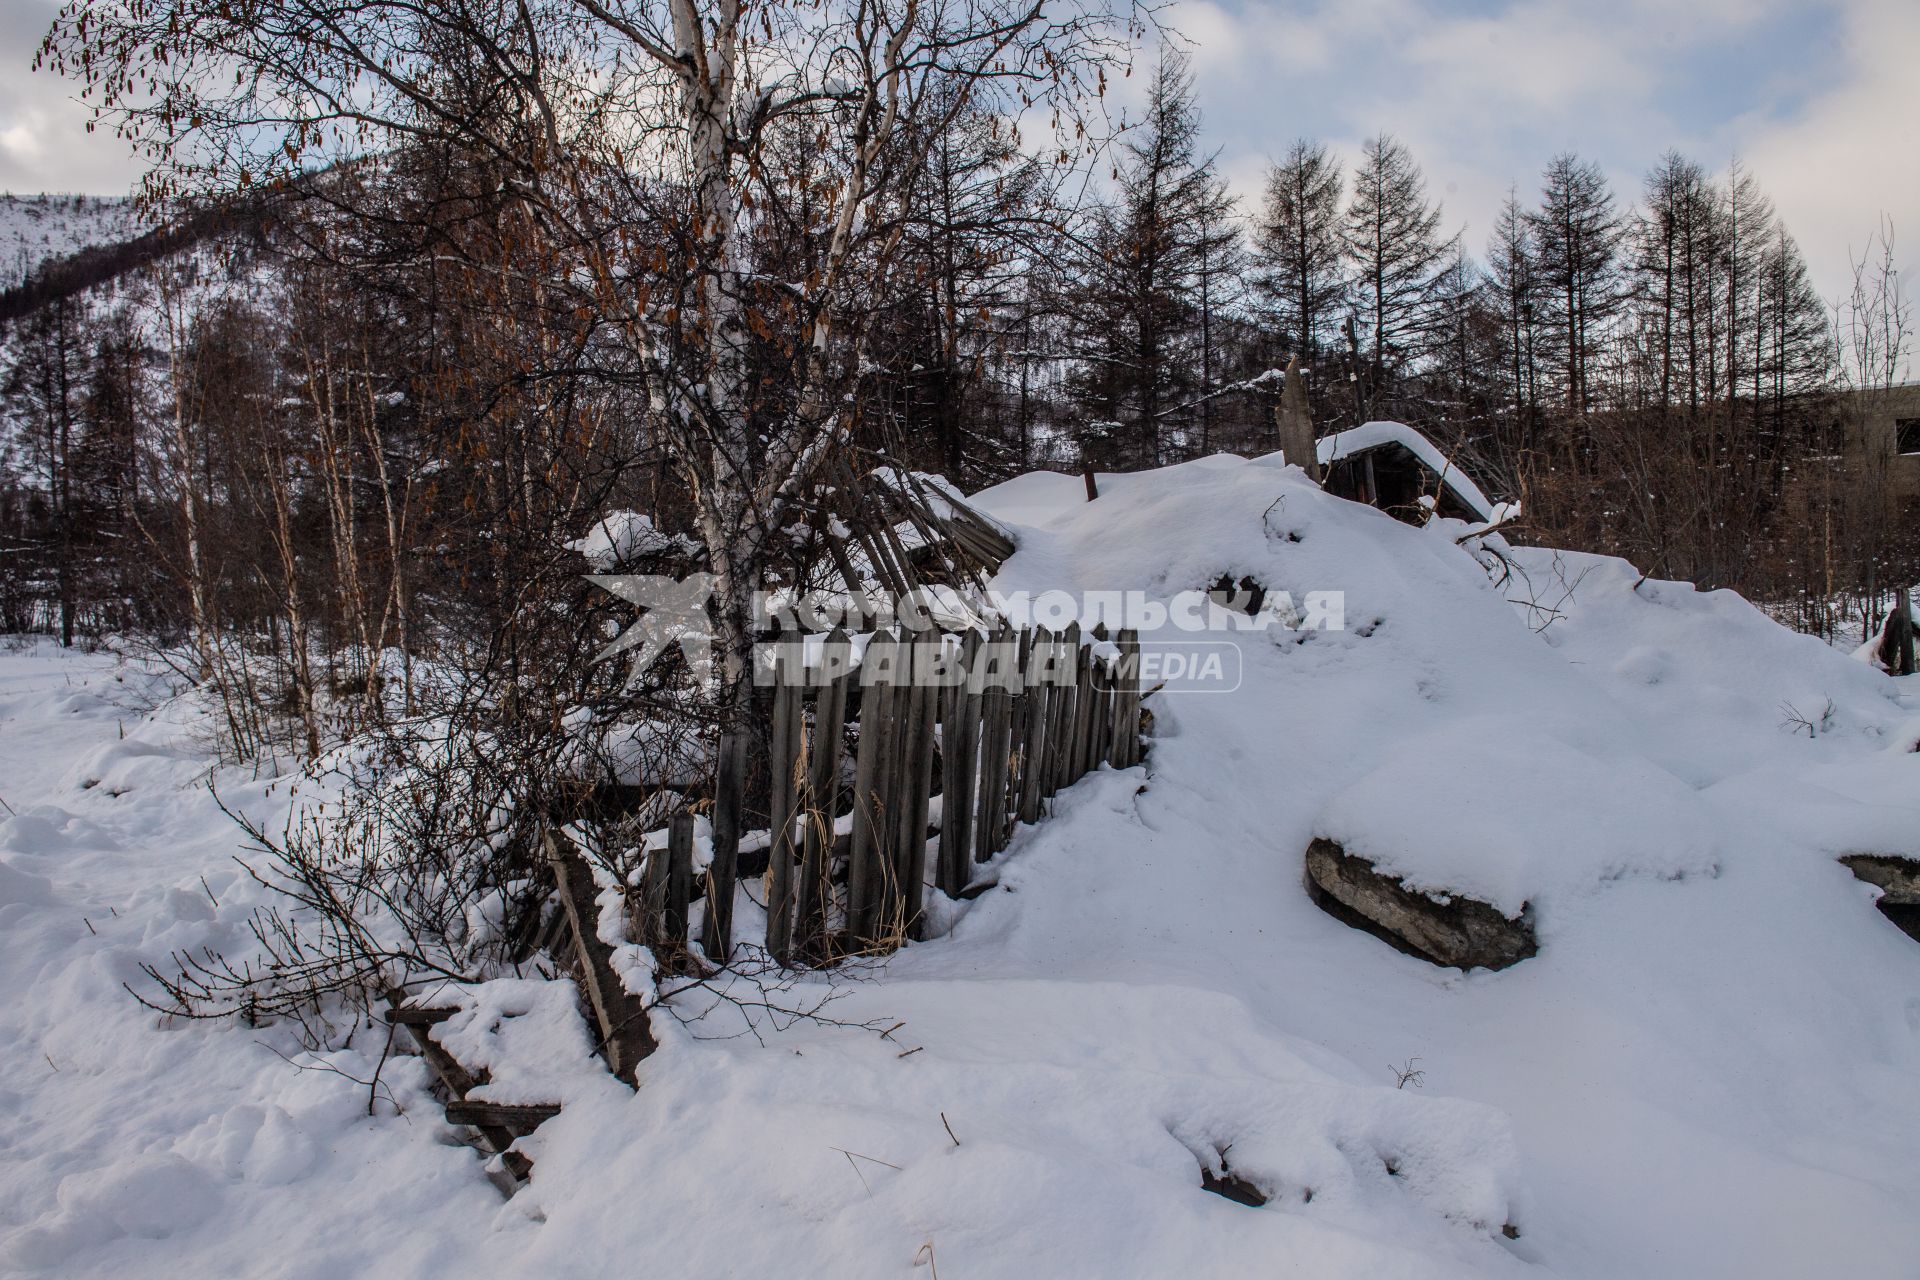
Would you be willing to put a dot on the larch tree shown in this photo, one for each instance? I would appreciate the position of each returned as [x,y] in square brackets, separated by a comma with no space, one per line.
[1513,285]
[1577,233]
[1397,256]
[1150,258]
[1673,246]
[1301,256]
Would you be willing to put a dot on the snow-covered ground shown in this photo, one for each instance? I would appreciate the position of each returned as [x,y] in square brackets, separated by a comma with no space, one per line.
[36,228]
[1708,1069]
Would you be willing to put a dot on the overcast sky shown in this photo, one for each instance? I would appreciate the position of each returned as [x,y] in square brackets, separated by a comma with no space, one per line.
[1820,98]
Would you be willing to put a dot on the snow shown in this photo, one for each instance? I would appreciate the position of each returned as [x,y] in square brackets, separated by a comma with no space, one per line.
[622,536]
[1485,808]
[1371,435]
[34,229]
[1708,1068]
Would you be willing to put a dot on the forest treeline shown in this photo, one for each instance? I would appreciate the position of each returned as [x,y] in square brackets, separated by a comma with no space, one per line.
[370,421]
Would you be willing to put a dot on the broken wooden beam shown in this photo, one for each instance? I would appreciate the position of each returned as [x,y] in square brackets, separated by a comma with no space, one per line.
[625,1037]
[520,1117]
[458,1082]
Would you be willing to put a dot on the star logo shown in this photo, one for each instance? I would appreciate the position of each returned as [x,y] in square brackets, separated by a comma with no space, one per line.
[674,611]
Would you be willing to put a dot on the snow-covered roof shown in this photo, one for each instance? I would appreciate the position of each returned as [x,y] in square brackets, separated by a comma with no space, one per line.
[1373,435]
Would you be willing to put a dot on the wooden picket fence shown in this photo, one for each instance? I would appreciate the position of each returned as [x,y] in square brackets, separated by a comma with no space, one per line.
[1034,712]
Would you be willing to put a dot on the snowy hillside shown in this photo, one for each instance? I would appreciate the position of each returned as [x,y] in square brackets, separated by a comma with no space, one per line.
[34,229]
[1709,1067]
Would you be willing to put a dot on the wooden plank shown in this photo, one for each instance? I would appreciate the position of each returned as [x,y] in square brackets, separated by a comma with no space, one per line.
[783,796]
[951,698]
[1103,722]
[868,835]
[898,804]
[1082,731]
[651,931]
[897,578]
[1100,730]
[1034,753]
[1060,726]
[822,798]
[414,1016]
[916,774]
[624,1034]
[729,785]
[679,876]
[997,706]
[458,1082]
[1021,725]
[1126,728]
[521,1117]
[960,737]
[889,807]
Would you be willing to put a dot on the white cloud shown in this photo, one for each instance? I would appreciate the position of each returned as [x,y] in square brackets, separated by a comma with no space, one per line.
[1849,155]
[1485,98]
[44,143]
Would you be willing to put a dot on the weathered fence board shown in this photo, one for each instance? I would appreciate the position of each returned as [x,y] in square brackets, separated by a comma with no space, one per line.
[783,793]
[1023,716]
[822,799]
[916,771]
[716,935]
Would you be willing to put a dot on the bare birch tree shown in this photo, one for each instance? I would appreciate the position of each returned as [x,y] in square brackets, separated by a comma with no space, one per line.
[581,102]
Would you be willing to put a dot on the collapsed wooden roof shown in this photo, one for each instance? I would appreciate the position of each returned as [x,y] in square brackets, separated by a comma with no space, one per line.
[902,530]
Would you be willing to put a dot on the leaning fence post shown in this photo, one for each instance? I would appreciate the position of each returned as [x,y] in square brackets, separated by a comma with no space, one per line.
[617,1012]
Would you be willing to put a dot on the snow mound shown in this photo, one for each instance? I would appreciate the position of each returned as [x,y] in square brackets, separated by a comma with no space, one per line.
[622,536]
[1079,1128]
[1706,1069]
[1491,810]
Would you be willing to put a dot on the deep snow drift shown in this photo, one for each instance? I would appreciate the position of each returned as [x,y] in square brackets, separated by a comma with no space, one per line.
[1708,1069]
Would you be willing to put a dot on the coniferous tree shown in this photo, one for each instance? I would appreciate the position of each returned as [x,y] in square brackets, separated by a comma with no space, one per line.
[1514,287]
[1577,233]
[1673,247]
[1152,255]
[1301,255]
[1397,257]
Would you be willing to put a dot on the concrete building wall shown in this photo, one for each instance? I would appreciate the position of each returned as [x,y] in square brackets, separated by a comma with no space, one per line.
[1885,434]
